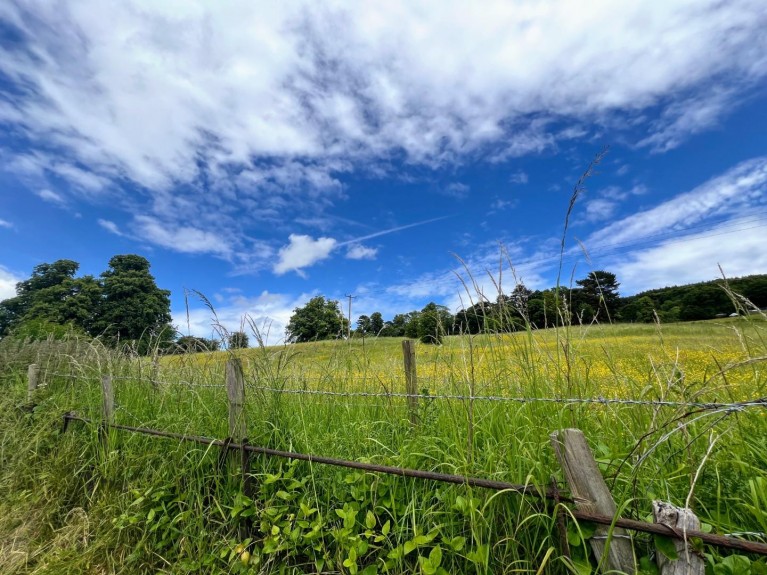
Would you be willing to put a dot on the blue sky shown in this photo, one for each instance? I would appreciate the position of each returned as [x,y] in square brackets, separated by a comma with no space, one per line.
[263,153]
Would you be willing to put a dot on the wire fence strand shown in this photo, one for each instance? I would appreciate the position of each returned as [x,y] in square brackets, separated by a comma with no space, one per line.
[734,406]
[527,490]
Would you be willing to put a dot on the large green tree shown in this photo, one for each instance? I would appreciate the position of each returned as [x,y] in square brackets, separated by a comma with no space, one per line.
[599,290]
[238,340]
[134,308]
[53,295]
[376,323]
[318,319]
[434,322]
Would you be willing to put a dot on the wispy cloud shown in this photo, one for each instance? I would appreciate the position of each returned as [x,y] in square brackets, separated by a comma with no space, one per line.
[738,190]
[457,190]
[518,177]
[51,197]
[736,245]
[360,252]
[600,209]
[184,239]
[6,224]
[110,227]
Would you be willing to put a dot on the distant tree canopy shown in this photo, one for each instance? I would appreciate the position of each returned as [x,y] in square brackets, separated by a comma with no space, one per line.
[192,344]
[123,305]
[705,300]
[434,323]
[237,340]
[318,319]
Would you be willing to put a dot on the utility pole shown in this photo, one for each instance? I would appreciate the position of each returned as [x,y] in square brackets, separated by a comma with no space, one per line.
[349,327]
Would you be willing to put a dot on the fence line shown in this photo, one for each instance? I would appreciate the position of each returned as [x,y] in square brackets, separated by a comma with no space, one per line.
[734,406]
[527,490]
[571,448]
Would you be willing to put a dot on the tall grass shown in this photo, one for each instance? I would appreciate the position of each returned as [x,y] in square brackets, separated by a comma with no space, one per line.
[72,504]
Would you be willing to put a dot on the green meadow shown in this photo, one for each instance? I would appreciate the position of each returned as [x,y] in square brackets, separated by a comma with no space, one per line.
[121,502]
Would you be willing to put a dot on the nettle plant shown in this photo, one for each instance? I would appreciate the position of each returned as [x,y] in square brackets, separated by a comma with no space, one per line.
[368,528]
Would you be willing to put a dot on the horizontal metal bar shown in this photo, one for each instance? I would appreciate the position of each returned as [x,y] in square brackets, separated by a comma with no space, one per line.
[528,490]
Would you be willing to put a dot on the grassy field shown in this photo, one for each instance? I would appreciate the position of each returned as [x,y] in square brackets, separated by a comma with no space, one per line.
[70,503]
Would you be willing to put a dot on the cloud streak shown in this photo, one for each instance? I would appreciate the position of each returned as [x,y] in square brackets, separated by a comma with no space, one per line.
[391,231]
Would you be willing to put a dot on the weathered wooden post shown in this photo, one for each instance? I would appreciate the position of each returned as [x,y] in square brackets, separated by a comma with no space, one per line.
[235,391]
[107,401]
[591,495]
[681,520]
[411,379]
[33,375]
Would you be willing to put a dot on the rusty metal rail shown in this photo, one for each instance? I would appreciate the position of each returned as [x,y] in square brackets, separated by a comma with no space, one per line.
[526,490]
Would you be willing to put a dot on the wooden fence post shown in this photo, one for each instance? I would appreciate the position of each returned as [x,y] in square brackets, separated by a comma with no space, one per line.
[107,401]
[411,378]
[680,520]
[33,374]
[590,492]
[235,391]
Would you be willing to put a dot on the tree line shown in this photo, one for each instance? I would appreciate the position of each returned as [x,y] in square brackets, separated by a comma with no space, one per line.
[595,298]
[124,306]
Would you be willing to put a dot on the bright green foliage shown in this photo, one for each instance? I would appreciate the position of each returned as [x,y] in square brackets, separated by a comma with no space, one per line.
[192,344]
[376,323]
[318,319]
[55,296]
[124,306]
[699,301]
[237,340]
[599,290]
[134,308]
[434,322]
[363,325]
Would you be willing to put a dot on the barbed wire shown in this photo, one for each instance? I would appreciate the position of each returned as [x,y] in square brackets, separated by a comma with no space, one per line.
[759,402]
[734,406]
[141,379]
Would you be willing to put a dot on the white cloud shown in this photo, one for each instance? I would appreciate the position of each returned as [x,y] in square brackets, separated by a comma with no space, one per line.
[110,227]
[51,197]
[739,190]
[519,177]
[683,119]
[738,245]
[8,281]
[457,190]
[498,205]
[599,210]
[266,102]
[6,224]
[184,239]
[360,252]
[80,178]
[302,251]
[270,313]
